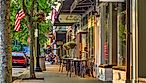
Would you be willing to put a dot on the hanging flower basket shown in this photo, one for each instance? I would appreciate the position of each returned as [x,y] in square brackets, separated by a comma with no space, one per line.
[69,45]
[72,44]
[66,47]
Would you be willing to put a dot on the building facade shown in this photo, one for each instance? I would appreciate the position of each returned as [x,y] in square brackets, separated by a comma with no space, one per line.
[103,34]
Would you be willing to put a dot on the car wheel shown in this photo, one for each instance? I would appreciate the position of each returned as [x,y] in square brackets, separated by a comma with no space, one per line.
[25,65]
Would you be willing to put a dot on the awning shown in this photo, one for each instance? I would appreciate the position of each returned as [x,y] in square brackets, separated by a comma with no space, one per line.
[81,5]
[72,8]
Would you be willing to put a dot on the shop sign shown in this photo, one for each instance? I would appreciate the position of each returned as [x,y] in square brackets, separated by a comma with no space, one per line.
[112,0]
[69,18]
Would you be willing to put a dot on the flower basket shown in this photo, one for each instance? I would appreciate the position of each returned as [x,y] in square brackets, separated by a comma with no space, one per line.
[72,44]
[66,47]
[69,45]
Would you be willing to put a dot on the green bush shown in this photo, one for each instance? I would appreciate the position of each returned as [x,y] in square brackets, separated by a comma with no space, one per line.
[16,48]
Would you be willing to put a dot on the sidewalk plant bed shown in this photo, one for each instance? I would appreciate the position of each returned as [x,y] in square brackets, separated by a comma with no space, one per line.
[119,74]
[122,68]
[106,65]
[105,72]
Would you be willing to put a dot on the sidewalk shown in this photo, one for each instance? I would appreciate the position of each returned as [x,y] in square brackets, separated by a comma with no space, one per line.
[18,72]
[52,75]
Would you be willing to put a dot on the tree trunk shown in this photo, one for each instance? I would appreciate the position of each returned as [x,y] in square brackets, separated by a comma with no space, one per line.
[31,32]
[31,29]
[5,43]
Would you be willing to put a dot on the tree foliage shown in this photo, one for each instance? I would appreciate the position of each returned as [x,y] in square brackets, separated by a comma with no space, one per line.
[44,27]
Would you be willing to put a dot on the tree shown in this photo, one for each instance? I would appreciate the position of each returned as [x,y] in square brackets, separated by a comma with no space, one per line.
[5,43]
[44,27]
[29,22]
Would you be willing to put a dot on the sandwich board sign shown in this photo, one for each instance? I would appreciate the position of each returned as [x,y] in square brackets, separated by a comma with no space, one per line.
[111,0]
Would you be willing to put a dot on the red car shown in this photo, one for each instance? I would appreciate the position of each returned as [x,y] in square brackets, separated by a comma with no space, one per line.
[19,59]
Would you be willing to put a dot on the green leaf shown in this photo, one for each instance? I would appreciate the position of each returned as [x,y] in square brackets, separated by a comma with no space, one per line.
[44,27]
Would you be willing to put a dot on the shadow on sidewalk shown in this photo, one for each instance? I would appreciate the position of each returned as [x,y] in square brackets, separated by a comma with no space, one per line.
[52,75]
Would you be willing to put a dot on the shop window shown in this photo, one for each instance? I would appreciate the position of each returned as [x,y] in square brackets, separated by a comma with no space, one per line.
[122,37]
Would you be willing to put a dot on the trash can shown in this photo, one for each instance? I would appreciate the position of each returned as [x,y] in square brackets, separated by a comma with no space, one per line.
[42,63]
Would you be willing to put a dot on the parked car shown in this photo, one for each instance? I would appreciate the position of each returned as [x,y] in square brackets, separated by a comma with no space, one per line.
[19,59]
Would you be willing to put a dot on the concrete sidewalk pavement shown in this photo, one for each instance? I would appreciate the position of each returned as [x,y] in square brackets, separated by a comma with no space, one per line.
[52,75]
[18,72]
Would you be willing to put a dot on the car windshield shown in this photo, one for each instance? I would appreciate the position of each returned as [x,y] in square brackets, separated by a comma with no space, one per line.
[17,54]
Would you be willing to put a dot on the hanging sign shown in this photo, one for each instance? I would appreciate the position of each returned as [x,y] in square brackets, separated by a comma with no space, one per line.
[69,18]
[112,0]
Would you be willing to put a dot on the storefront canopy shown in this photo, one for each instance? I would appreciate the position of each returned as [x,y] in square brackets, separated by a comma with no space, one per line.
[72,8]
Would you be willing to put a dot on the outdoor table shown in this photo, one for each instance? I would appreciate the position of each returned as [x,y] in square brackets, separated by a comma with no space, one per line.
[68,65]
[78,66]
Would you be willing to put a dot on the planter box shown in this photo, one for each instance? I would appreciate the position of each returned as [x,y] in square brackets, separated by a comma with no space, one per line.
[141,80]
[105,73]
[119,75]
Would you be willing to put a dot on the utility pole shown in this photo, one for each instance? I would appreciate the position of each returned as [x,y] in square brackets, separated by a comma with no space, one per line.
[128,41]
[37,47]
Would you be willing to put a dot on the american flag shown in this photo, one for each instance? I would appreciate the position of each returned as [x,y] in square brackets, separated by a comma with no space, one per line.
[19,15]
[54,15]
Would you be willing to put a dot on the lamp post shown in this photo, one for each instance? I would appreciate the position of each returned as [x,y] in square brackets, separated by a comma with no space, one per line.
[37,52]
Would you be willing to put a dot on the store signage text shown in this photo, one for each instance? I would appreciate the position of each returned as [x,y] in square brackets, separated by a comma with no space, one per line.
[69,18]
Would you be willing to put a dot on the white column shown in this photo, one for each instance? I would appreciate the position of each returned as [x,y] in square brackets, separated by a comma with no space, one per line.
[103,9]
[54,45]
[110,27]
[97,48]
[135,40]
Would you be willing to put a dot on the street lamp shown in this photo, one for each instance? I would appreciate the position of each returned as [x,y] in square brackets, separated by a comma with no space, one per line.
[37,46]
[37,69]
